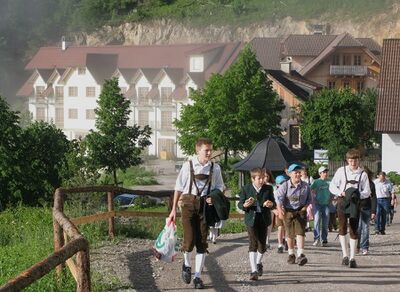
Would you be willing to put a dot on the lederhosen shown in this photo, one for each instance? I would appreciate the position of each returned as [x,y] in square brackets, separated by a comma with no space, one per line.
[353,222]
[195,229]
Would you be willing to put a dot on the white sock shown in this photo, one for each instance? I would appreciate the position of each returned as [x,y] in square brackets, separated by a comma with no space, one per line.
[268,233]
[353,245]
[200,257]
[300,251]
[186,257]
[214,234]
[259,257]
[253,260]
[290,251]
[343,244]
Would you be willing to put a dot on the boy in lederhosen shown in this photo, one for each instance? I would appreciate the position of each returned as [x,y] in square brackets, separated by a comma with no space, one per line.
[346,179]
[292,199]
[196,179]
[255,200]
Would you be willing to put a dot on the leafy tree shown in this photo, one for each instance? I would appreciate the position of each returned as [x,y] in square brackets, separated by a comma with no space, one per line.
[42,154]
[9,143]
[337,120]
[236,110]
[115,145]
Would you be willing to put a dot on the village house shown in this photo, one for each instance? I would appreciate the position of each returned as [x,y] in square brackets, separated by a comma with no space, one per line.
[66,82]
[387,119]
[299,65]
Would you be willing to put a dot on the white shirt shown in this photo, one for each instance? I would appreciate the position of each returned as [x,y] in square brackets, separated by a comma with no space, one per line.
[308,179]
[338,183]
[183,181]
[383,188]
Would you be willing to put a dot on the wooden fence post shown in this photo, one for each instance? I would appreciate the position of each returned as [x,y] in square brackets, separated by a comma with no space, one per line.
[83,283]
[58,232]
[111,231]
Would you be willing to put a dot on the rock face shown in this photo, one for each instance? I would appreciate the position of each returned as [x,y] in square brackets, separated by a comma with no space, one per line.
[171,32]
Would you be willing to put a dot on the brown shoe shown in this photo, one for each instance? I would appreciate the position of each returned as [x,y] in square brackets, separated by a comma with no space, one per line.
[291,259]
[302,260]
[254,276]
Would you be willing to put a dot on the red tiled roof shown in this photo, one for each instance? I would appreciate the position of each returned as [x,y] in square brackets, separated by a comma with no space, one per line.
[179,93]
[101,66]
[48,92]
[387,118]
[27,89]
[131,92]
[268,52]
[306,45]
[349,42]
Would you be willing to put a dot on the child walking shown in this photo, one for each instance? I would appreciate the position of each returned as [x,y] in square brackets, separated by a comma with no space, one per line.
[256,200]
[293,198]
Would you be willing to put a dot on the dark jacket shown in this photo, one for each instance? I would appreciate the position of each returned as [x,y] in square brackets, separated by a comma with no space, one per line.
[266,193]
[219,210]
[370,202]
[351,203]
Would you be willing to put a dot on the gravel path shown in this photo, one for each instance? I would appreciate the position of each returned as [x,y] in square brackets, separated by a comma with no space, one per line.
[227,266]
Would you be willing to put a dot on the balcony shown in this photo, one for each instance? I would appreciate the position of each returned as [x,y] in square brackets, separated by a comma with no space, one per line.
[348,70]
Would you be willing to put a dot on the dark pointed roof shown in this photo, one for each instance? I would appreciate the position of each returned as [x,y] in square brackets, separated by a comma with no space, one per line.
[268,153]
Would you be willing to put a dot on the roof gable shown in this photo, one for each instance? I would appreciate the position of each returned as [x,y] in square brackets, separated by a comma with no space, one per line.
[387,118]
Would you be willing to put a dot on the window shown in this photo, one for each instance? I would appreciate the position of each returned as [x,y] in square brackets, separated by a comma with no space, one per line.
[72,91]
[346,59]
[166,120]
[59,91]
[142,95]
[73,113]
[294,136]
[166,94]
[40,114]
[90,91]
[346,83]
[81,71]
[360,86]
[90,114]
[336,60]
[167,145]
[39,90]
[196,64]
[357,60]
[143,118]
[331,84]
[59,119]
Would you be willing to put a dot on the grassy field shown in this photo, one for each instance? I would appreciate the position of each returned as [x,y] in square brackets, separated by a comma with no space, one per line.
[205,12]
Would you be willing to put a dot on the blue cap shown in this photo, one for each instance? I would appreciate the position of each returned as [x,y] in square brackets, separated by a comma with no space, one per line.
[280,179]
[294,166]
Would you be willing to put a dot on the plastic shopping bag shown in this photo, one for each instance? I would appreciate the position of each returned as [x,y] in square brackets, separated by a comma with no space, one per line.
[165,246]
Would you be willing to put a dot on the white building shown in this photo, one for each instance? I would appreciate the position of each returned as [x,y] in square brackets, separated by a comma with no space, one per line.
[66,82]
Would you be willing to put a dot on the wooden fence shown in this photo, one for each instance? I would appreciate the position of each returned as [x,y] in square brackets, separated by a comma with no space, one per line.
[71,247]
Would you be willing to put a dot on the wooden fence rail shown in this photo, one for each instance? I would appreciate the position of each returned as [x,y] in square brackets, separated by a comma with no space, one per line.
[69,242]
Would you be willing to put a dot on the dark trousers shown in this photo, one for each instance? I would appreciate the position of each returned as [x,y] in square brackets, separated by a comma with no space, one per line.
[345,221]
[382,209]
[332,221]
[257,235]
[195,229]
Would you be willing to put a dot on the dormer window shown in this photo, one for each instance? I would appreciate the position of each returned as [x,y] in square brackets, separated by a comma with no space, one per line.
[81,71]
[196,64]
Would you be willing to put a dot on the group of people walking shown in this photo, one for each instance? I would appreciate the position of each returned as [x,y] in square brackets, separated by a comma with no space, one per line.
[351,189]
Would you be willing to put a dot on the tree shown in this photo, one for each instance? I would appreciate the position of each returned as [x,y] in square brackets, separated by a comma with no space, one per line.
[115,145]
[337,120]
[236,110]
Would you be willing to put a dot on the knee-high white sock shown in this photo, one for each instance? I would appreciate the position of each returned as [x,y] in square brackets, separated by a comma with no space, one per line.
[200,257]
[259,257]
[253,261]
[214,234]
[269,228]
[353,245]
[343,244]
[186,257]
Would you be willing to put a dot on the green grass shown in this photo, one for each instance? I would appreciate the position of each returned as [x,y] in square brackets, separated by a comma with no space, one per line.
[236,12]
[133,176]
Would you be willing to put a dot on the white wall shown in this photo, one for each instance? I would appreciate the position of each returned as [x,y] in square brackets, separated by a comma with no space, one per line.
[391,152]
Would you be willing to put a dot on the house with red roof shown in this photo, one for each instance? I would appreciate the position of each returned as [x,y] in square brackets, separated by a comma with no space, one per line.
[299,65]
[66,82]
[387,119]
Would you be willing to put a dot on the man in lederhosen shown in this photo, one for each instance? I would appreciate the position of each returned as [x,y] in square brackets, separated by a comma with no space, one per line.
[196,179]
[349,178]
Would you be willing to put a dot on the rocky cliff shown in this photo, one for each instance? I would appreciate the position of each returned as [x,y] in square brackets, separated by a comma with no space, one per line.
[168,31]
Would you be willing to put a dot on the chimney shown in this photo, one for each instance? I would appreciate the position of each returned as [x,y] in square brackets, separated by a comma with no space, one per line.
[63,43]
[286,65]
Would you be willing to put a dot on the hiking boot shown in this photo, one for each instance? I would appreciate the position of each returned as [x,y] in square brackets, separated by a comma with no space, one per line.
[345,261]
[291,259]
[365,252]
[301,260]
[316,243]
[254,276]
[186,274]
[325,243]
[280,249]
[353,263]
[383,232]
[198,283]
[260,269]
